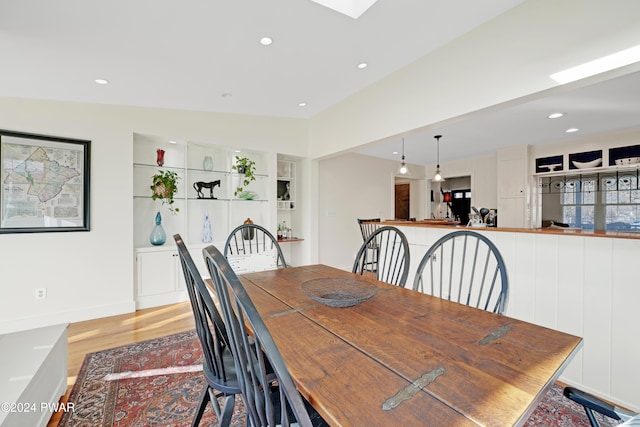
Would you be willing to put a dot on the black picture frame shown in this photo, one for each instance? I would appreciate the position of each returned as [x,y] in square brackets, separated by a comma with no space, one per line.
[44,183]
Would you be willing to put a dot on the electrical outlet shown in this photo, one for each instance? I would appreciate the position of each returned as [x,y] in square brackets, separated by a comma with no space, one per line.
[41,293]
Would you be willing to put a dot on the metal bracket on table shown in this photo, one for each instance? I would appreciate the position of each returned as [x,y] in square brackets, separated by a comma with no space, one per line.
[413,388]
[494,335]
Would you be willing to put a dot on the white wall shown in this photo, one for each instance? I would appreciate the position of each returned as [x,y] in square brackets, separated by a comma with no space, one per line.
[483,172]
[90,274]
[353,186]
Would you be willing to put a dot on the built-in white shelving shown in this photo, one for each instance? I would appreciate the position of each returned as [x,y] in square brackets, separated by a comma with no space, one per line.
[286,191]
[225,210]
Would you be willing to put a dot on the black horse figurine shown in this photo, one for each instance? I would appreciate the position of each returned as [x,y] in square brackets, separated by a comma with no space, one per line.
[198,186]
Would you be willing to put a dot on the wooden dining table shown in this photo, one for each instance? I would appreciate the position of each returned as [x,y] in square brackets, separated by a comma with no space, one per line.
[405,358]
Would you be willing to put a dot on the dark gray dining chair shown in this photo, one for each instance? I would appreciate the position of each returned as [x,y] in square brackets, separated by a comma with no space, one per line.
[465,267]
[268,391]
[252,239]
[367,227]
[390,261]
[218,365]
[590,403]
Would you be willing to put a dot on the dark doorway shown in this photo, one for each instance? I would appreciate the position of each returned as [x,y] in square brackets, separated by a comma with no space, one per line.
[402,201]
[461,205]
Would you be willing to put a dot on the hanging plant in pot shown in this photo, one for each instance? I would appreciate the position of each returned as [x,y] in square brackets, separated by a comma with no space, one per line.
[164,186]
[247,167]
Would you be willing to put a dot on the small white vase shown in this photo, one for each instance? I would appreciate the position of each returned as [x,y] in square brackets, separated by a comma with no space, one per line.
[207,233]
[207,163]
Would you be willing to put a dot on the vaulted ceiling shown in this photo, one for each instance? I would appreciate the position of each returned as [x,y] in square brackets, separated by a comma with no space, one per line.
[207,56]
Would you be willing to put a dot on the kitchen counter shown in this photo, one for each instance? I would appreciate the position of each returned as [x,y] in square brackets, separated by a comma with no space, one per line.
[558,231]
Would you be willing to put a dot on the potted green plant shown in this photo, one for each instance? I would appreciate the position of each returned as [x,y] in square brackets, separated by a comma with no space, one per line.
[164,186]
[247,167]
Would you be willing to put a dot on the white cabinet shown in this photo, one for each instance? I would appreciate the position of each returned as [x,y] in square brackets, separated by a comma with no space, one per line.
[159,278]
[206,187]
[511,180]
[33,375]
[511,212]
[512,188]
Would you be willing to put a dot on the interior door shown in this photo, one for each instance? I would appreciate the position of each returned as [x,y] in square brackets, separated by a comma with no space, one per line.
[461,205]
[402,201]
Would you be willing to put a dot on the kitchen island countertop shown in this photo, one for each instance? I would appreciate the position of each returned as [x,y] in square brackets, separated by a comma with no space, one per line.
[441,223]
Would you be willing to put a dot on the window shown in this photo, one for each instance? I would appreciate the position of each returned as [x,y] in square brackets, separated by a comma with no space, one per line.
[621,199]
[606,201]
[578,199]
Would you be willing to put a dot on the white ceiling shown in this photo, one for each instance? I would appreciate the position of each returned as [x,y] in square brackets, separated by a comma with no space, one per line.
[188,54]
[600,108]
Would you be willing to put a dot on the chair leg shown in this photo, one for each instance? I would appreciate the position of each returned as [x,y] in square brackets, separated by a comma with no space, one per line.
[227,410]
[371,263]
[204,399]
[224,415]
[592,418]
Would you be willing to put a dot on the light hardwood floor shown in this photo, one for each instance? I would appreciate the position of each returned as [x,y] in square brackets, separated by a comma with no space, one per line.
[101,334]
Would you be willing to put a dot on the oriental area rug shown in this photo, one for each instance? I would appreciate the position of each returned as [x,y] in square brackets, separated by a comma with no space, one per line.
[159,383]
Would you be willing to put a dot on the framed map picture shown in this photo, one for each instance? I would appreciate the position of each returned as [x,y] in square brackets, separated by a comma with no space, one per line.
[45,183]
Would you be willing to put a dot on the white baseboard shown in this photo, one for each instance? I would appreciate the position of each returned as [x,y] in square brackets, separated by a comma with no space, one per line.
[78,314]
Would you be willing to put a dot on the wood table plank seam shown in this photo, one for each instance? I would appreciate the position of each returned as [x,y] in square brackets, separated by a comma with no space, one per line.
[467,329]
[411,381]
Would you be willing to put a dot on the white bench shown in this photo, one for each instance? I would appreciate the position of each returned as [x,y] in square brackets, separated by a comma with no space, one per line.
[33,375]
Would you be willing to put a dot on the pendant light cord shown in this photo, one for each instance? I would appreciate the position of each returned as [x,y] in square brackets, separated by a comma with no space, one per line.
[403,149]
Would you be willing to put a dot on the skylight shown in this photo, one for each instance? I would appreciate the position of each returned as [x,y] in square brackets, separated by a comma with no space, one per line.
[352,8]
[597,66]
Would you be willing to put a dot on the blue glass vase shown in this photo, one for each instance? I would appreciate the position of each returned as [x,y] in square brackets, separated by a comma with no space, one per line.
[158,236]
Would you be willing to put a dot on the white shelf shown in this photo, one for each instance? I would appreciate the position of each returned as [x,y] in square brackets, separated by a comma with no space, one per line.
[225,212]
[286,185]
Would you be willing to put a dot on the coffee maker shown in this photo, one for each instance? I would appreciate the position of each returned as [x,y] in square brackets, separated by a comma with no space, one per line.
[491,219]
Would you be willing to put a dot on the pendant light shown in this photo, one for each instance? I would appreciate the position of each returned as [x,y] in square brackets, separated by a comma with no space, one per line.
[403,170]
[438,176]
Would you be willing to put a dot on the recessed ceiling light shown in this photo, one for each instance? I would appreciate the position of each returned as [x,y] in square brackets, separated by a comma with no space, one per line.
[362,65]
[571,130]
[266,41]
[236,151]
[172,142]
[303,104]
[102,81]
[395,152]
[555,115]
